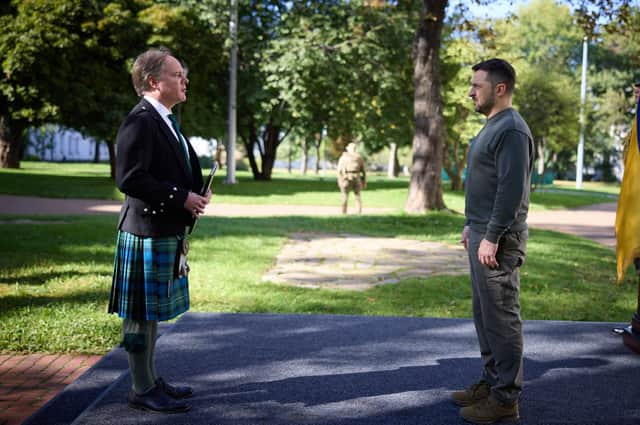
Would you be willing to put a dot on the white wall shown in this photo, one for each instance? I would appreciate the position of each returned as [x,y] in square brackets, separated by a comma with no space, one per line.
[55,143]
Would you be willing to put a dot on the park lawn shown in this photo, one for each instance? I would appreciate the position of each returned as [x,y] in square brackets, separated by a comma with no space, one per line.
[55,277]
[87,180]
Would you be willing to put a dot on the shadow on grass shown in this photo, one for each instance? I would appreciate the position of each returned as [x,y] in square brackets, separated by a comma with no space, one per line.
[26,302]
[559,269]
[24,277]
[103,187]
[49,186]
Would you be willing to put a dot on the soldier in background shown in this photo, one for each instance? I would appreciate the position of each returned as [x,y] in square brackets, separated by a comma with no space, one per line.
[351,176]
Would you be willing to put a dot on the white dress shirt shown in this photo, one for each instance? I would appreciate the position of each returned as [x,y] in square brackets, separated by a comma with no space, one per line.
[164,113]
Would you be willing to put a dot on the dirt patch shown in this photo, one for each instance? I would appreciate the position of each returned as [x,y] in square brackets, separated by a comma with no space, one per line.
[357,262]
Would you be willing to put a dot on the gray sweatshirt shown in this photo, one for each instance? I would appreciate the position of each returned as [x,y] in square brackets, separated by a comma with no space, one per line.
[499,166]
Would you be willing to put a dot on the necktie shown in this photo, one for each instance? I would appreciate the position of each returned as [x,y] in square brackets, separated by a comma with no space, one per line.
[176,127]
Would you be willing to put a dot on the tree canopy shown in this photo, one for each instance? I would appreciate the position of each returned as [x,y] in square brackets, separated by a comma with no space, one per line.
[383,73]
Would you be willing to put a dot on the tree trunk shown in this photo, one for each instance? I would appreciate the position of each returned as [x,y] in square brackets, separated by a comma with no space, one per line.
[305,157]
[317,165]
[317,144]
[268,148]
[9,145]
[96,154]
[425,188]
[271,140]
[112,158]
[393,165]
[250,141]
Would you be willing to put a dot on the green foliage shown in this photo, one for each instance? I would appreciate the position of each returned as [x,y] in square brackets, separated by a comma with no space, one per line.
[68,62]
[614,67]
[345,68]
[551,110]
[460,52]
[545,47]
[196,33]
[65,62]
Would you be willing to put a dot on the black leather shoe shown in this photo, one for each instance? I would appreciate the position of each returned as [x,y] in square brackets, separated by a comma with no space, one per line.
[157,401]
[174,391]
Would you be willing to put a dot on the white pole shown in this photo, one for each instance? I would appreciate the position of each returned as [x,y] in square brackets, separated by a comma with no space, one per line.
[231,142]
[583,97]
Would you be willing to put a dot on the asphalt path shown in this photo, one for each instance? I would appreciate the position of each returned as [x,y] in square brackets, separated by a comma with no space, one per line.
[275,369]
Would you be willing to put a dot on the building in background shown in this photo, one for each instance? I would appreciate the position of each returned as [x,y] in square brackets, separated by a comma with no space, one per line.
[59,144]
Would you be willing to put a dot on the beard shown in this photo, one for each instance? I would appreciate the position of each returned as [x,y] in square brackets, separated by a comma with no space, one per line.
[485,107]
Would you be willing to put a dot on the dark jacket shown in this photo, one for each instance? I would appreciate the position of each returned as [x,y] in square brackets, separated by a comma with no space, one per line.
[151,170]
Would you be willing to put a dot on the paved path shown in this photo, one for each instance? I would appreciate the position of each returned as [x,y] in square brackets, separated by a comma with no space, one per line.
[27,382]
[595,222]
[29,205]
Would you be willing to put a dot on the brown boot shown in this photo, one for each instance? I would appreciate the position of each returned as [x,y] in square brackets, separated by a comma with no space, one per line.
[489,411]
[471,395]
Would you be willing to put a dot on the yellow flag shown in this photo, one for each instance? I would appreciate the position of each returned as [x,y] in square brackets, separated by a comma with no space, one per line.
[628,214]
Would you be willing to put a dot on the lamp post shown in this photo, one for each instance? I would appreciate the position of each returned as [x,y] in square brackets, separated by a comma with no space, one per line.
[583,97]
[233,65]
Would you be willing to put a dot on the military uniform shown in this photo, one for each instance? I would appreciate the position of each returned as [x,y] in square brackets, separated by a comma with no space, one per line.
[351,177]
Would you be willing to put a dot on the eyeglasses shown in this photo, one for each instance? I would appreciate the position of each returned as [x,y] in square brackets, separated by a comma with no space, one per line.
[179,75]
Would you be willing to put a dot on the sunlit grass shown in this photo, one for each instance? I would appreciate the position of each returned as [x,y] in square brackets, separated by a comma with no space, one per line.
[55,278]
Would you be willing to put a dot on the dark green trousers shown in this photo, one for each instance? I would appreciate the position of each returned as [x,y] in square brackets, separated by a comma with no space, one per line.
[496,313]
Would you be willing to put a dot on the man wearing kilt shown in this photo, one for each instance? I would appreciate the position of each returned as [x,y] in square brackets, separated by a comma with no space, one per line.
[158,171]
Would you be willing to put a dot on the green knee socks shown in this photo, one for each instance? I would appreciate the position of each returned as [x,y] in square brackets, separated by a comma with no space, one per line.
[139,339]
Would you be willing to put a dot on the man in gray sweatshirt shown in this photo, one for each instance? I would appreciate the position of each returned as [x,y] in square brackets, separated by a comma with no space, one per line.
[499,167]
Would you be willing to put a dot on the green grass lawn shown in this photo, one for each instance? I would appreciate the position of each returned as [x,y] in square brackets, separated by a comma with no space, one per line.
[86,180]
[55,272]
[55,277]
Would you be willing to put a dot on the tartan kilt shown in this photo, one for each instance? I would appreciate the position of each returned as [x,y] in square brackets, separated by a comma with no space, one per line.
[143,285]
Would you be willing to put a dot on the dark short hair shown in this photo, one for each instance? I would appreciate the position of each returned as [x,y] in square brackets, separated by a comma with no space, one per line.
[148,64]
[636,84]
[498,71]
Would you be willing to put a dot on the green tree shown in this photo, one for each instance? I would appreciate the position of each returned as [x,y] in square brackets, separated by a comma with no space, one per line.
[196,32]
[63,61]
[614,67]
[460,52]
[68,62]
[425,191]
[337,68]
[551,110]
[545,45]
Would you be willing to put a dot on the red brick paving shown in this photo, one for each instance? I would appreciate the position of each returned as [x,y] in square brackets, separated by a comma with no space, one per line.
[28,381]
